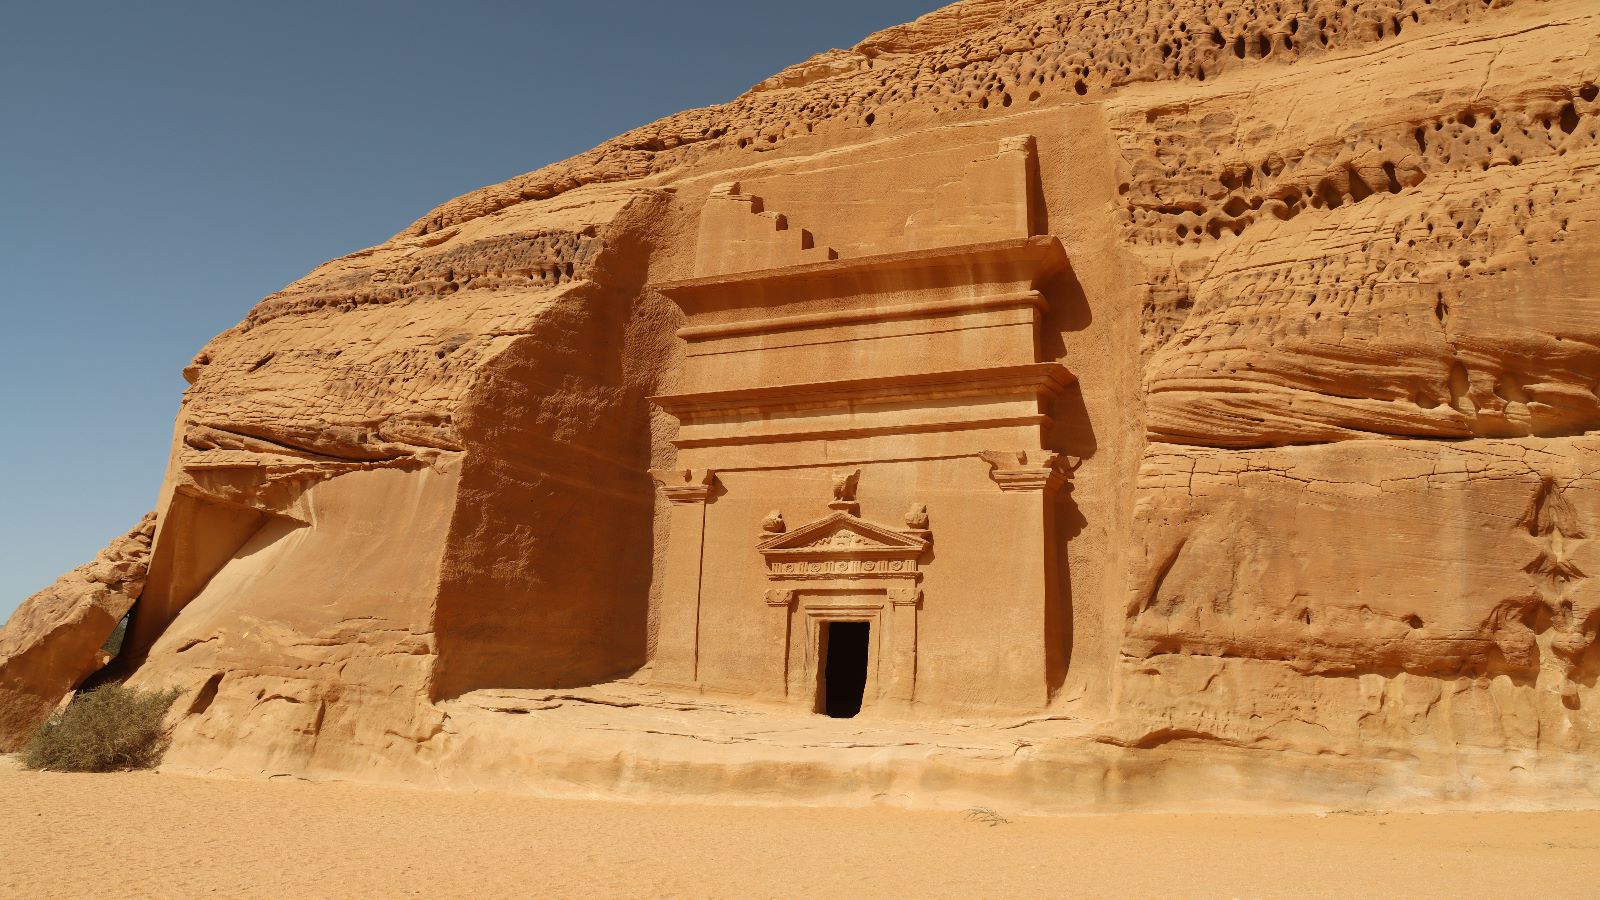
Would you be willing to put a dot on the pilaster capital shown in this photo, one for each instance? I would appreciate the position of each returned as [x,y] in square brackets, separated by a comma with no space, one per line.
[686,485]
[780,597]
[1029,470]
[906,596]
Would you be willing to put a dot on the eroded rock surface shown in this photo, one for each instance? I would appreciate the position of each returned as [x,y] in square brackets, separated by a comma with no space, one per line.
[55,638]
[1334,322]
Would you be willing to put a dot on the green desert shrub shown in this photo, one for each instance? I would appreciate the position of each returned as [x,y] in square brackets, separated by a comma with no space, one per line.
[108,729]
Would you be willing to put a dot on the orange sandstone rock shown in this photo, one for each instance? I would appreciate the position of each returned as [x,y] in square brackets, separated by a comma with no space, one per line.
[54,640]
[1153,404]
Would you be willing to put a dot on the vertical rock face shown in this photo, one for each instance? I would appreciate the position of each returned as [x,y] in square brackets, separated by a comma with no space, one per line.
[1364,258]
[399,480]
[1403,598]
[55,639]
[1334,431]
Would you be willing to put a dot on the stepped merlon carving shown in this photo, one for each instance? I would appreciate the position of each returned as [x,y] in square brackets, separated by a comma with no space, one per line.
[738,234]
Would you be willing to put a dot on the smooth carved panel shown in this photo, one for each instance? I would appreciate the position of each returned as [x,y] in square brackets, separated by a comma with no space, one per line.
[992,199]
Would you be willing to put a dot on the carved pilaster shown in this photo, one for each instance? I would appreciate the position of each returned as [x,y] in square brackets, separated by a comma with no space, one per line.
[677,659]
[904,602]
[780,605]
[686,485]
[1028,470]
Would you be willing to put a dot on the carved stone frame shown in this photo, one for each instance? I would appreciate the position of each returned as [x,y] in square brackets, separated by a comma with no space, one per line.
[842,568]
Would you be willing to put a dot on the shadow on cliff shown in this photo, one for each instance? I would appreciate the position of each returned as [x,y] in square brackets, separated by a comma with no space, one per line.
[546,579]
[1072,435]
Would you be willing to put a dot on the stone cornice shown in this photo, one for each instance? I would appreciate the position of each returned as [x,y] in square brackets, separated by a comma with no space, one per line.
[827,318]
[1020,263]
[1047,379]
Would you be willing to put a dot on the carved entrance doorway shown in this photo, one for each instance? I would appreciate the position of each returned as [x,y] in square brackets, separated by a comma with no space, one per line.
[845,648]
[844,601]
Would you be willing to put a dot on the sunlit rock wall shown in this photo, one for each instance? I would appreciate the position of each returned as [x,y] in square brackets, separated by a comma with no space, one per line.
[1332,309]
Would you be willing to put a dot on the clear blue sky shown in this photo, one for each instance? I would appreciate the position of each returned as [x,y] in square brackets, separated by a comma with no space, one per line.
[163,165]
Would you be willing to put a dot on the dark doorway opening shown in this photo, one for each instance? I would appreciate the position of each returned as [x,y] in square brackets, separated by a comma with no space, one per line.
[844,672]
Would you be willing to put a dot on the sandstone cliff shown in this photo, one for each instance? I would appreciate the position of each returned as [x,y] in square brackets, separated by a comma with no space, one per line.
[1335,324]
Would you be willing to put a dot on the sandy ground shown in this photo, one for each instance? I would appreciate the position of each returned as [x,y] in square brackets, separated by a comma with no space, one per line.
[147,835]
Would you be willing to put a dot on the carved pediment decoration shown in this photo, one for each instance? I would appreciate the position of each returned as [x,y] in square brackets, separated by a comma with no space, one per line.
[842,530]
[843,545]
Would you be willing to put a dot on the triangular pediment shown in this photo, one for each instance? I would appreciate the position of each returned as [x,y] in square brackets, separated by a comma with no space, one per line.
[843,532]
